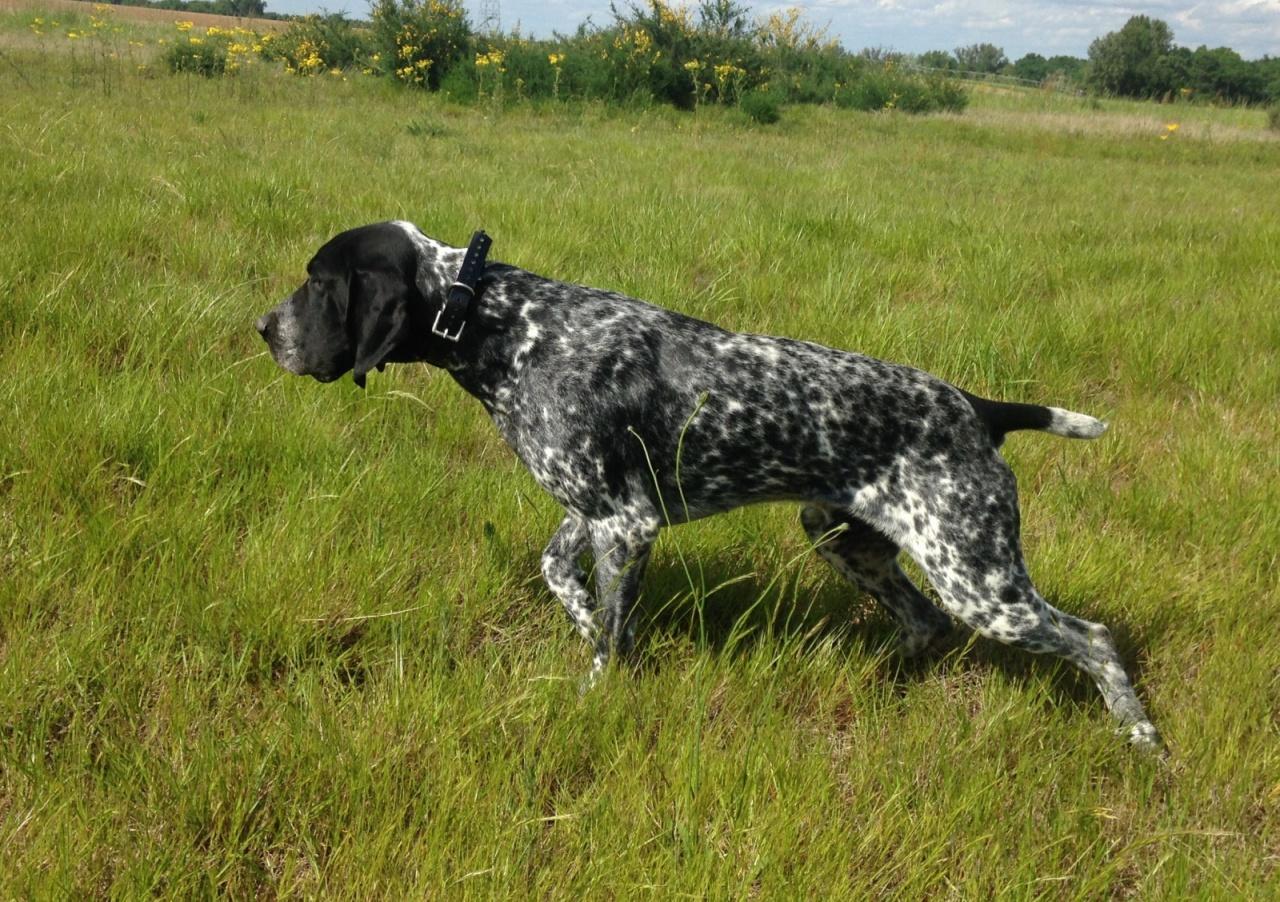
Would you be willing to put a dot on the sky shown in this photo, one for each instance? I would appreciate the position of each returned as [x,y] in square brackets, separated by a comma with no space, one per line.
[1047,27]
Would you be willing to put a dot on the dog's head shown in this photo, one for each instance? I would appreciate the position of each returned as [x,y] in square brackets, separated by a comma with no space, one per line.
[357,310]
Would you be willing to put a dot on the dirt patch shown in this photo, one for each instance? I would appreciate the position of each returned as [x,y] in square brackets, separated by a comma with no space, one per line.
[142,14]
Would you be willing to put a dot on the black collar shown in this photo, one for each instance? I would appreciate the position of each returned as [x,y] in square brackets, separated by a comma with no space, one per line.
[452,315]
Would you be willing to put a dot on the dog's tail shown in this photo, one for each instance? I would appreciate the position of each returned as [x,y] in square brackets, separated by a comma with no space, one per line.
[1001,417]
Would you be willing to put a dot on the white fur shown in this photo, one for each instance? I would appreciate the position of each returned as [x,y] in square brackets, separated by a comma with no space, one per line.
[1070,424]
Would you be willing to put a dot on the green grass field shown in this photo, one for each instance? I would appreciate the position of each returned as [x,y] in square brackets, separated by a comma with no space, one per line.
[260,636]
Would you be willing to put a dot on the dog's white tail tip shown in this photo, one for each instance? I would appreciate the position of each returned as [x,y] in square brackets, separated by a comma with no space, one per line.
[1070,424]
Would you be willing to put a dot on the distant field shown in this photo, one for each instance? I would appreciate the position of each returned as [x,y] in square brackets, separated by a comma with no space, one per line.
[260,636]
[140,14]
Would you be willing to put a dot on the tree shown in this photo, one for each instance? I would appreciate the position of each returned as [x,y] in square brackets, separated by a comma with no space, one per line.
[1222,73]
[1070,67]
[1268,69]
[1134,60]
[937,59]
[1032,67]
[240,7]
[981,58]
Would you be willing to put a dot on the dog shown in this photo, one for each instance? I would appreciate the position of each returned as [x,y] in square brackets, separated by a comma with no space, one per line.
[634,417]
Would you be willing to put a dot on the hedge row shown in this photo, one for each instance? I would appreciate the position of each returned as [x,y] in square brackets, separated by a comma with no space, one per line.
[649,53]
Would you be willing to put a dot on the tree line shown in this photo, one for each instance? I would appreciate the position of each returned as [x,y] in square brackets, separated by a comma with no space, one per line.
[1140,60]
[254,9]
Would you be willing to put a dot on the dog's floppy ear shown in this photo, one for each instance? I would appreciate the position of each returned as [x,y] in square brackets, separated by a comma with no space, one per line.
[377,318]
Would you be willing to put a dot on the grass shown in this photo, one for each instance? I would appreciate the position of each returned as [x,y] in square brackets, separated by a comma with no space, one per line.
[263,636]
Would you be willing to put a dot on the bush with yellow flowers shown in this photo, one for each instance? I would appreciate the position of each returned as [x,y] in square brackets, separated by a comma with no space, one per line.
[213,51]
[317,44]
[653,51]
[194,53]
[419,41]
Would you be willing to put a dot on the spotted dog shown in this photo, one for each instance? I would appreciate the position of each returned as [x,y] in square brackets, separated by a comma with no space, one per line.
[634,417]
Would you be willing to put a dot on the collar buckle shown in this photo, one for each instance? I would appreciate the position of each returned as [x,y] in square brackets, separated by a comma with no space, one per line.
[444,333]
[462,292]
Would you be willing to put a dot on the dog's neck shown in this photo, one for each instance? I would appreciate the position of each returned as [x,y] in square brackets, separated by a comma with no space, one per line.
[493,321]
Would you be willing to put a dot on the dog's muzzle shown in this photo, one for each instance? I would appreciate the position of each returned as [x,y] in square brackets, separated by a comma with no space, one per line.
[266,327]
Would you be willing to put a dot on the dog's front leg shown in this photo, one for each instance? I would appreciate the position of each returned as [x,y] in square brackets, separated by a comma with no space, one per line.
[564,576]
[621,544]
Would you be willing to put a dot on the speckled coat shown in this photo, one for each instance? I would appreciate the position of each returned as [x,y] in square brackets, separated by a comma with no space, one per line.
[634,417]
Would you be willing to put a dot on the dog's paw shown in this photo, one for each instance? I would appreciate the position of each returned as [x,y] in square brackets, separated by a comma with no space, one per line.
[1145,736]
[918,644]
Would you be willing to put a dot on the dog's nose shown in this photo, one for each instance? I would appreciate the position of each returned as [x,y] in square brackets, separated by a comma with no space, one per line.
[265,326]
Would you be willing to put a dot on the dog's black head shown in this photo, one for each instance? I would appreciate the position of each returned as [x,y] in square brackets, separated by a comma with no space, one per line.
[359,308]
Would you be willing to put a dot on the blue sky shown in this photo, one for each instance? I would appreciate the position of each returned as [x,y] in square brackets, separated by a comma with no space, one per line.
[1251,27]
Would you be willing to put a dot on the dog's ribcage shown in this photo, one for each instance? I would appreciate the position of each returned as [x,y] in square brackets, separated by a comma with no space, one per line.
[606,397]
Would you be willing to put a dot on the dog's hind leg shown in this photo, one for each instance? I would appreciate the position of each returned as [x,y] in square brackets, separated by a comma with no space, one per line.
[564,576]
[869,560]
[969,548]
[1005,606]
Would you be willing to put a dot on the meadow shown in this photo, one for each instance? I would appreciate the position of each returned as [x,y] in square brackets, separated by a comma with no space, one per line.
[265,637]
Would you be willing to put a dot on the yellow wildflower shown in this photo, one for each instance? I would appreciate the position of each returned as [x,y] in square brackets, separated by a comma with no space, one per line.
[184,26]
[726,71]
[679,16]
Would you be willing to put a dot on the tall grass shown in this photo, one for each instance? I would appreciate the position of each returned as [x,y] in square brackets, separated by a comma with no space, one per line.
[262,636]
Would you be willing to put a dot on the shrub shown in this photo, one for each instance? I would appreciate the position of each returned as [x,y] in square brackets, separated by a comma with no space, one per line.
[652,51]
[947,94]
[196,55]
[460,84]
[762,107]
[887,88]
[660,52]
[419,41]
[527,69]
[815,76]
[315,44]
